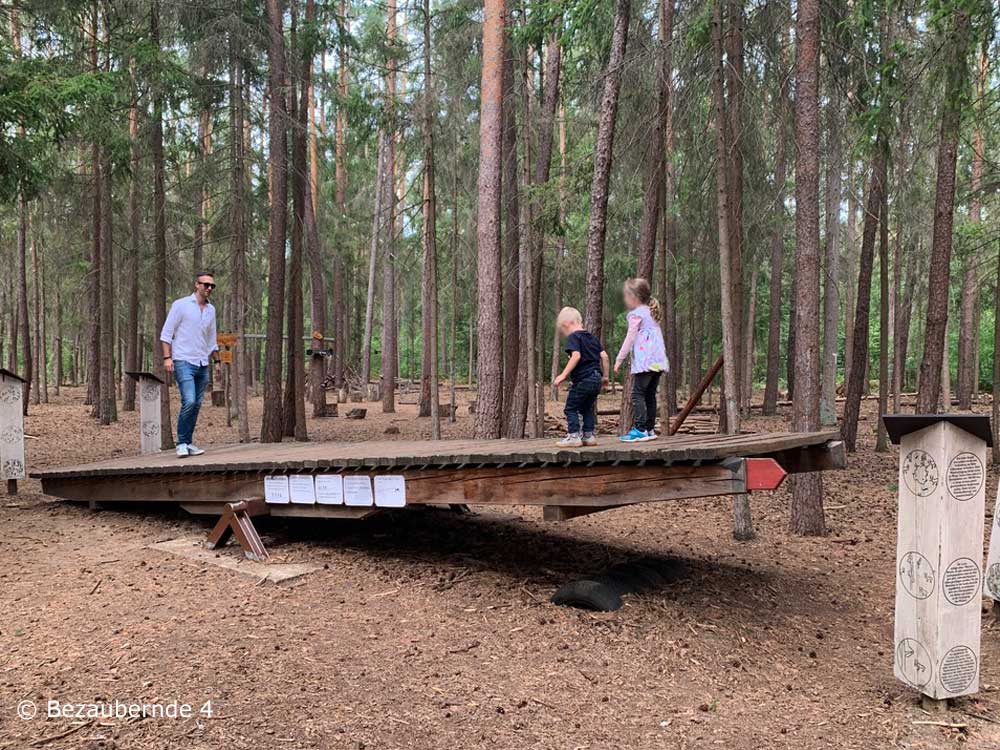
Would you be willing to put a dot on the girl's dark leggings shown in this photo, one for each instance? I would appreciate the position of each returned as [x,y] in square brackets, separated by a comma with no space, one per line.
[644,399]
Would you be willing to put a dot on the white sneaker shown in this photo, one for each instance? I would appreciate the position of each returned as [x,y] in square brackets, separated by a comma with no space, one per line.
[572,440]
[182,451]
[194,450]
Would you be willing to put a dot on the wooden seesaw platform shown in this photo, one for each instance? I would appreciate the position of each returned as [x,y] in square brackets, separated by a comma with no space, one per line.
[229,481]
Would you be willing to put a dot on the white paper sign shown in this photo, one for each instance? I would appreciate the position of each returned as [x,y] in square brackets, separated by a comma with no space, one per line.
[390,491]
[357,490]
[276,490]
[330,489]
[301,488]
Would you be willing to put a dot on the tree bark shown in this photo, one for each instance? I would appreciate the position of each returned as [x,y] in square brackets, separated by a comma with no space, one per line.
[390,350]
[723,174]
[807,494]
[489,401]
[272,427]
[238,246]
[939,277]
[132,260]
[603,148]
[377,221]
[777,252]
[107,411]
[159,239]
[881,439]
[511,238]
[831,274]
[429,308]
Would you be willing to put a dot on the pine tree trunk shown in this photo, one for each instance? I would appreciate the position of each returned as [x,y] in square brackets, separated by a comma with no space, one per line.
[939,277]
[777,261]
[430,291]
[723,174]
[377,228]
[734,141]
[38,349]
[132,259]
[807,492]
[340,266]
[107,412]
[603,148]
[272,427]
[238,242]
[390,351]
[511,239]
[488,419]
[831,273]
[159,240]
[882,439]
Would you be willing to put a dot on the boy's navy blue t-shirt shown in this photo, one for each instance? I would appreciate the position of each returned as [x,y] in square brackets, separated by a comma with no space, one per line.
[590,354]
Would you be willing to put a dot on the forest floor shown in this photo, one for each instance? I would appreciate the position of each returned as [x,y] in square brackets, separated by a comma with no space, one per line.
[427,629]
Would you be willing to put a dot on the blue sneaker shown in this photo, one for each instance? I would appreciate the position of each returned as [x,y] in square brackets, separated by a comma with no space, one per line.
[634,436]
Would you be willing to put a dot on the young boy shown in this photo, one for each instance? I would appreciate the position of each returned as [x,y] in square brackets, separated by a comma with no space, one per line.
[588,370]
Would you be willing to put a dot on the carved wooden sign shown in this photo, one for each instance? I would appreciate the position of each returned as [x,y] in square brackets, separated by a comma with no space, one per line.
[11,426]
[148,390]
[939,576]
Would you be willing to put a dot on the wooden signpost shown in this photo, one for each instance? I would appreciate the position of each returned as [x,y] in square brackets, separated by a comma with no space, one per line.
[991,584]
[939,550]
[149,410]
[11,429]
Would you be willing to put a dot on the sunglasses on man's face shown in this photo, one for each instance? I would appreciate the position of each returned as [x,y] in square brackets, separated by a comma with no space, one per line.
[207,285]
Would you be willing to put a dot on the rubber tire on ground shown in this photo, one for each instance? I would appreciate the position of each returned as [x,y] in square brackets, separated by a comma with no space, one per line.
[588,594]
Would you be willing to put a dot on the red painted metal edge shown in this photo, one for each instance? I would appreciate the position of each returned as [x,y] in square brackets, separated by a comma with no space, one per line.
[764,474]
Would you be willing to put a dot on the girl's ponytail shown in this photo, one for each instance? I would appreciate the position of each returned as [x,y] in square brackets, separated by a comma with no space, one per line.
[654,309]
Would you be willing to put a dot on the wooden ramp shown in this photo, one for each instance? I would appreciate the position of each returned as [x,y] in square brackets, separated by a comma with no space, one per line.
[229,480]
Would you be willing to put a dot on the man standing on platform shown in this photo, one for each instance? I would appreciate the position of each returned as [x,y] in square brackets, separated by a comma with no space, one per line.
[188,339]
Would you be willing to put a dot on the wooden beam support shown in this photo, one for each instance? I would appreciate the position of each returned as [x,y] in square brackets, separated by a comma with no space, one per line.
[824,457]
[237,521]
[567,512]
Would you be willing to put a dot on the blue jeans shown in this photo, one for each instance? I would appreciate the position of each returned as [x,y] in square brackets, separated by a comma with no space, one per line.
[191,381]
[580,402]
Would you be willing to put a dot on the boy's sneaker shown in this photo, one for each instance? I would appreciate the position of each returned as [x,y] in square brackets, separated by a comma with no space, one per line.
[572,440]
[589,438]
[194,450]
[634,435]
[182,451]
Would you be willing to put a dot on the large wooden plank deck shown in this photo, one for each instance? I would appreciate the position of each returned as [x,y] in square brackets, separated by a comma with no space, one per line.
[228,480]
[386,455]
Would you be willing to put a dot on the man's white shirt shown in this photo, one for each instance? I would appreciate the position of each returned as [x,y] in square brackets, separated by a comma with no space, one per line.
[190,331]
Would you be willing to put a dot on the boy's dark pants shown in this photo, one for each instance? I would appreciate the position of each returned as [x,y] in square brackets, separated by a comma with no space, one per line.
[644,399]
[580,401]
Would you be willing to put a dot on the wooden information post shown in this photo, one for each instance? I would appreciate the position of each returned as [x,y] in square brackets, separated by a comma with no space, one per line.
[939,550]
[991,586]
[149,411]
[11,429]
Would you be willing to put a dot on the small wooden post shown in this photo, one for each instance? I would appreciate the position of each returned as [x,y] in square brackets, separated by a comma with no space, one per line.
[11,429]
[148,387]
[991,585]
[942,490]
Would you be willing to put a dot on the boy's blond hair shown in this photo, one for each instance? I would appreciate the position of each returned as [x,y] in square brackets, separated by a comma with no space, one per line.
[569,315]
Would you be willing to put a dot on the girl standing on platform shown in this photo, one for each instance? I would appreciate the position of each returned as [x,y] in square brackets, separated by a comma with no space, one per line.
[649,357]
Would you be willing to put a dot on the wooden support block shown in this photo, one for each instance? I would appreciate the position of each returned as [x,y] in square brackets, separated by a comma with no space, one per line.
[567,512]
[11,429]
[356,413]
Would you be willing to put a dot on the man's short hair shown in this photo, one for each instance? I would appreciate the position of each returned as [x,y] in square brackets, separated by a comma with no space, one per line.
[203,273]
